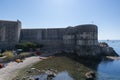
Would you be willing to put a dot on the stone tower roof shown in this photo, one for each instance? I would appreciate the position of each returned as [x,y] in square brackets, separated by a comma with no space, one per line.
[86,28]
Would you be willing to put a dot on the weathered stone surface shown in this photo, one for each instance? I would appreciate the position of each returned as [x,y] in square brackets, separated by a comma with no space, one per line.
[81,39]
[106,50]
[9,33]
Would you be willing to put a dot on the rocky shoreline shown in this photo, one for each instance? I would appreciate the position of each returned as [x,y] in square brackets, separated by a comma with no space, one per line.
[98,52]
[90,61]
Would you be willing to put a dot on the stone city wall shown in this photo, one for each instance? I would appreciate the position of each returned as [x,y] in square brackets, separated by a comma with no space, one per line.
[68,39]
[50,38]
[9,33]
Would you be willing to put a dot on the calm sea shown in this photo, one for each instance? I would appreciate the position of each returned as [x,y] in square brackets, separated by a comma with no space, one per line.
[110,70]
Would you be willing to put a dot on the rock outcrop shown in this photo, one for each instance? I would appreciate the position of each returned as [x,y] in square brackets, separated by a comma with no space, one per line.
[106,50]
[98,51]
[90,75]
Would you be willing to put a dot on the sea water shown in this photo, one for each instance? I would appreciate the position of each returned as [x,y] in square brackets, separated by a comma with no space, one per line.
[110,70]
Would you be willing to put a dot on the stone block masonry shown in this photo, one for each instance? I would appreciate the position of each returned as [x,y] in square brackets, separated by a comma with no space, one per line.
[9,33]
[64,39]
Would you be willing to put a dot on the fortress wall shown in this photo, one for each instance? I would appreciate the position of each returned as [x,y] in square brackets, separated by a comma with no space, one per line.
[70,38]
[31,35]
[77,37]
[54,39]
[50,38]
[41,34]
[2,33]
[86,35]
[69,42]
[9,33]
[18,32]
[86,40]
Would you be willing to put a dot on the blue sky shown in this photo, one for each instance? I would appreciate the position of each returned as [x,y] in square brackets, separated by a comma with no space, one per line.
[62,13]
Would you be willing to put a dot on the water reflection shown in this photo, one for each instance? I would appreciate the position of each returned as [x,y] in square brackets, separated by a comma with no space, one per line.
[63,76]
[60,76]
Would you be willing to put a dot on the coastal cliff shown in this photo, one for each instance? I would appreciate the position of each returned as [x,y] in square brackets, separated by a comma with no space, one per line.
[106,50]
[98,51]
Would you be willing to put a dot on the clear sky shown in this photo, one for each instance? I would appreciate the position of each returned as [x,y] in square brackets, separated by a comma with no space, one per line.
[62,13]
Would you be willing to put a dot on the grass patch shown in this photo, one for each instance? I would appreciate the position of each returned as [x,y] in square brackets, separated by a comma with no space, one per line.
[74,68]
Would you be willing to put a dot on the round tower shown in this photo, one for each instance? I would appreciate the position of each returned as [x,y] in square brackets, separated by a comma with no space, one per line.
[86,39]
[86,34]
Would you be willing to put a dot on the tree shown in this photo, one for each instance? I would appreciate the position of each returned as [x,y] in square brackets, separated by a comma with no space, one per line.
[27,45]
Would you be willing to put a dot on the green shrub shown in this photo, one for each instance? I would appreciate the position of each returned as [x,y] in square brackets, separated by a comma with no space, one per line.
[27,45]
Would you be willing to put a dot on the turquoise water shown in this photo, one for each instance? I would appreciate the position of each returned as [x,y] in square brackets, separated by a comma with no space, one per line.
[110,70]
